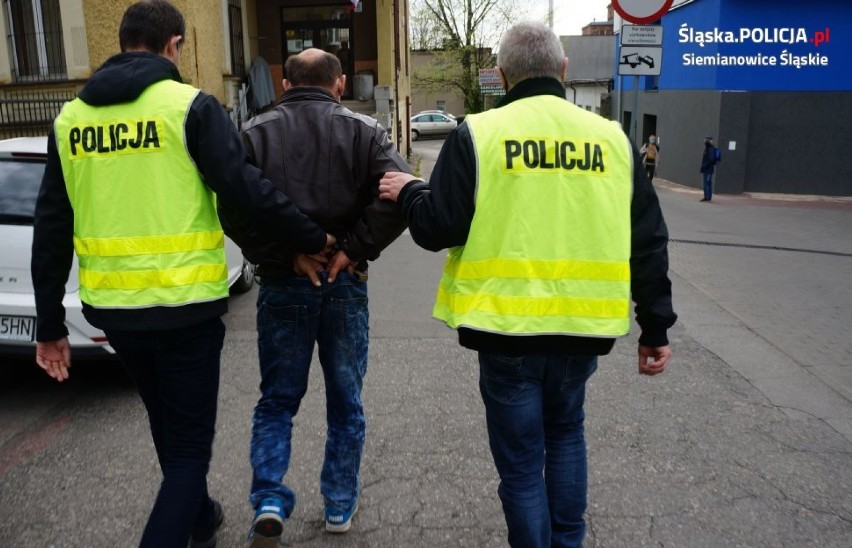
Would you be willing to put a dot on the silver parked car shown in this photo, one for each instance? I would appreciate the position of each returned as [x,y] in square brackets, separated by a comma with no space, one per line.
[22,162]
[432,123]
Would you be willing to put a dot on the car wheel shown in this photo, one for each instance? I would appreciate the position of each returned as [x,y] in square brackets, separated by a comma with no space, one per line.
[415,134]
[246,279]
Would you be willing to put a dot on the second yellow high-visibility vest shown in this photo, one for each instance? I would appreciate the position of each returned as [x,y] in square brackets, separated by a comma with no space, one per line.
[548,250]
[146,232]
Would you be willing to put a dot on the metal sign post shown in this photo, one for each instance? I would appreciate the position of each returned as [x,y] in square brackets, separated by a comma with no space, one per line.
[641,54]
[638,61]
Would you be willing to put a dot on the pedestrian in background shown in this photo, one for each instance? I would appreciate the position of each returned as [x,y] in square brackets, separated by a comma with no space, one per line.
[708,165]
[132,168]
[330,161]
[650,152]
[550,234]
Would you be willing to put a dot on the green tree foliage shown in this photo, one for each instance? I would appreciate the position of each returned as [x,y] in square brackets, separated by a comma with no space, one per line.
[462,35]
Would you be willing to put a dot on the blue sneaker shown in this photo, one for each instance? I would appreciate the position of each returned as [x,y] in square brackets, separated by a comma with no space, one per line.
[268,524]
[339,522]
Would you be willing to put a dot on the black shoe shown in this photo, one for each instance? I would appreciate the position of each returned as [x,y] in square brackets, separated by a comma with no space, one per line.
[705,199]
[209,540]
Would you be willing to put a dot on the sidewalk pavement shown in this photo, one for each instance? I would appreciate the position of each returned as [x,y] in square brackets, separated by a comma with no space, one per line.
[743,442]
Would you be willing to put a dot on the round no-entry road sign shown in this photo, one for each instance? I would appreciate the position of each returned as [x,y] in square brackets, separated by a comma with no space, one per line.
[641,12]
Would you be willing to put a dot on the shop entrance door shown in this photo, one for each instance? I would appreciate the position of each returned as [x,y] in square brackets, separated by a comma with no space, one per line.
[333,36]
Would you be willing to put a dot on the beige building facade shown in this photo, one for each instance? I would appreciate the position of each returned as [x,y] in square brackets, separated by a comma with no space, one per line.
[51,47]
[447,99]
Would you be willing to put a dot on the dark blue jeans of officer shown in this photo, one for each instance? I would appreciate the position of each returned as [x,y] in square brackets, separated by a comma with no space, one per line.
[177,375]
[534,413]
[293,315]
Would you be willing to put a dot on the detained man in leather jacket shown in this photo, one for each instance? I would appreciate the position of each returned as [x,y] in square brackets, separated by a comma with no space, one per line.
[329,160]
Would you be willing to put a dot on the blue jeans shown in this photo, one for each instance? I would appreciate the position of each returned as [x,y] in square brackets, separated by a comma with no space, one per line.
[177,375]
[534,413]
[292,314]
[708,185]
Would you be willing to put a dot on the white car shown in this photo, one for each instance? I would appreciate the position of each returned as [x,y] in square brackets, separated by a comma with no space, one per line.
[431,123]
[22,162]
[447,114]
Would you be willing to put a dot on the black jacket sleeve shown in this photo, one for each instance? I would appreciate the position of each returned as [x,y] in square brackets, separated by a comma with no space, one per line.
[649,261]
[217,149]
[53,248]
[380,222]
[439,214]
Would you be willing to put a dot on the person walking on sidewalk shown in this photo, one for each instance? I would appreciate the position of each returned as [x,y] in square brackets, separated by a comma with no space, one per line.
[329,160]
[650,152]
[132,168]
[550,233]
[708,165]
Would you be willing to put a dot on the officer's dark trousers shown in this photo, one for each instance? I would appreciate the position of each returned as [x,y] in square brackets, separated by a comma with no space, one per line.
[177,375]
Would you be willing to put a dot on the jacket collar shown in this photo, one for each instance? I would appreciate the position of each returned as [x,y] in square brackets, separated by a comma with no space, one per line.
[307,93]
[123,77]
[532,87]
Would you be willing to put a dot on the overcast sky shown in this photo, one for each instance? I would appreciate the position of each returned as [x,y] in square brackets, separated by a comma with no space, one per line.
[570,16]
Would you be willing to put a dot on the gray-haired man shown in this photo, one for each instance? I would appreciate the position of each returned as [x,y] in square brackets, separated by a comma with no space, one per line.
[552,226]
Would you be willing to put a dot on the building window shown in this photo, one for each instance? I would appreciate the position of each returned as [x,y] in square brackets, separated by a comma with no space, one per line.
[235,24]
[35,39]
[652,83]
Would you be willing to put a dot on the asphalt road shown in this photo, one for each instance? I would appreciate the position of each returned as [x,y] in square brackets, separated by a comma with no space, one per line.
[744,442]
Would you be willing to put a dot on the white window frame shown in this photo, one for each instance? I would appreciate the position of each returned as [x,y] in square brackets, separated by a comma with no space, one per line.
[41,47]
[74,42]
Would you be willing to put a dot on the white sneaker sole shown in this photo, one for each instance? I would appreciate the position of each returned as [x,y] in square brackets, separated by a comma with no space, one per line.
[341,527]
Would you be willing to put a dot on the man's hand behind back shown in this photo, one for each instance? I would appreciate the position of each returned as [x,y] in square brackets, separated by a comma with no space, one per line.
[330,241]
[310,266]
[332,262]
[339,261]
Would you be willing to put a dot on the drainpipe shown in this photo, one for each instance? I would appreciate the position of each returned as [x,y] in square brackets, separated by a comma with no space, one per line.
[397,68]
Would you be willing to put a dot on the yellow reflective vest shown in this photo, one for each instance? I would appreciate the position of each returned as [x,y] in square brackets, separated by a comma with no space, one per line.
[146,231]
[548,250]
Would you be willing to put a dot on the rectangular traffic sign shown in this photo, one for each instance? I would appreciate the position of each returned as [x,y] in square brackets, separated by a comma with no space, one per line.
[641,35]
[640,61]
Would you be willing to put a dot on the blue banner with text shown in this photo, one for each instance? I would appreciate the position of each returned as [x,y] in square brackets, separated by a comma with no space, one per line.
[754,45]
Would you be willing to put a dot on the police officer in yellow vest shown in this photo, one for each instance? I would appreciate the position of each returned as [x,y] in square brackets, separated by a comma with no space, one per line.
[135,166]
[552,227]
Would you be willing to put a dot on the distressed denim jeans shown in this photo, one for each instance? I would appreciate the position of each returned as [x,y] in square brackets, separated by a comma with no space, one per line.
[534,414]
[292,314]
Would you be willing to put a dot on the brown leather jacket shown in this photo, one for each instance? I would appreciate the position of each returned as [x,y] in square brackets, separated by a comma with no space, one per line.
[328,161]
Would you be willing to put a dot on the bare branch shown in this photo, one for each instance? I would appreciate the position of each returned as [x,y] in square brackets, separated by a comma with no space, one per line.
[468,30]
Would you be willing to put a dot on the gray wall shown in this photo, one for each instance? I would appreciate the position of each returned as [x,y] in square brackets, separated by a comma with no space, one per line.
[589,57]
[684,118]
[800,143]
[785,142]
[734,131]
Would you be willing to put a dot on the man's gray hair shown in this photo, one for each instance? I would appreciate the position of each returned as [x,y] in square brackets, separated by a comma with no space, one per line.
[530,50]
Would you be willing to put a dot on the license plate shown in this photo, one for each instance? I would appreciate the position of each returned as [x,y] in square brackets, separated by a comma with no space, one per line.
[17,328]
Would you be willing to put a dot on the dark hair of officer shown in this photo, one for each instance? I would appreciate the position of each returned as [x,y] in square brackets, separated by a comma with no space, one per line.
[313,67]
[149,25]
